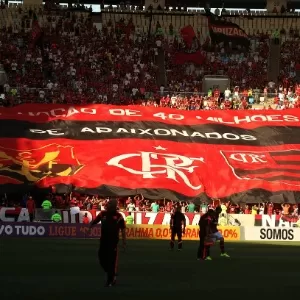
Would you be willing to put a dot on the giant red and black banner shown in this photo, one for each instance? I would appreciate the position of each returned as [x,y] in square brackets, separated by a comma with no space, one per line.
[159,152]
[222,30]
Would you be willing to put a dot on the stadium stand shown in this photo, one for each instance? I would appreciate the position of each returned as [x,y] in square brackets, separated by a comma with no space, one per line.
[289,62]
[79,64]
[128,58]
[246,70]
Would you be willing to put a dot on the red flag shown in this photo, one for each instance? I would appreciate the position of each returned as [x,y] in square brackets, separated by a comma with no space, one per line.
[188,34]
[276,165]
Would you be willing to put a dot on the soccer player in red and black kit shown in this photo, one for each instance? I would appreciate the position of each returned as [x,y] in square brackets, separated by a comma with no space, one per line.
[204,232]
[112,223]
[177,226]
[212,235]
[215,234]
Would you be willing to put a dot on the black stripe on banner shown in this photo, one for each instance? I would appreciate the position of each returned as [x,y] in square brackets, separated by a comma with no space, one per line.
[280,177]
[264,171]
[288,162]
[208,134]
[285,153]
[16,176]
[271,178]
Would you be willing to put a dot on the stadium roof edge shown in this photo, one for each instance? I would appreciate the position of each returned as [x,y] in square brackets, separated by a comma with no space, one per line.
[254,4]
[196,3]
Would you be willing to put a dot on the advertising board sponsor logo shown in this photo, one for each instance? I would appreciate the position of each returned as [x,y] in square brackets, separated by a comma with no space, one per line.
[277,234]
[14,214]
[231,233]
[147,218]
[163,232]
[11,214]
[64,230]
[50,230]
[73,231]
[275,221]
[22,230]
[140,218]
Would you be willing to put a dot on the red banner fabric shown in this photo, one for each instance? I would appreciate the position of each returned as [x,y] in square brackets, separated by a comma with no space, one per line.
[162,153]
[247,119]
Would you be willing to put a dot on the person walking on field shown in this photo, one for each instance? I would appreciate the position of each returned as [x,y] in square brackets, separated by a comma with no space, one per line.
[177,226]
[30,205]
[112,222]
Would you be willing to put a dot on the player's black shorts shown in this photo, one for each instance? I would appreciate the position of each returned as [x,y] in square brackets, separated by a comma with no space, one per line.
[176,231]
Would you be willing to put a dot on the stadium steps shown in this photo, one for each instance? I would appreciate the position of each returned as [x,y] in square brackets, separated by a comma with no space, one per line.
[274,59]
[160,62]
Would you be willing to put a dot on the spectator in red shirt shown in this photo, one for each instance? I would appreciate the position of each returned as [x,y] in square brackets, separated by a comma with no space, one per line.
[216,93]
[247,210]
[85,219]
[30,205]
[270,209]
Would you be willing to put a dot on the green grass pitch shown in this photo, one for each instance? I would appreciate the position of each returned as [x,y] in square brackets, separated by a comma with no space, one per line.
[61,269]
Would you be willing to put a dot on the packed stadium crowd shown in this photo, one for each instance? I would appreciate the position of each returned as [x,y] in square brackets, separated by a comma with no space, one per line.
[245,69]
[140,204]
[62,57]
[77,64]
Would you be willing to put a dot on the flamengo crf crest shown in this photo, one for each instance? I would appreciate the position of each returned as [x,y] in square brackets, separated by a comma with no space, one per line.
[175,166]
